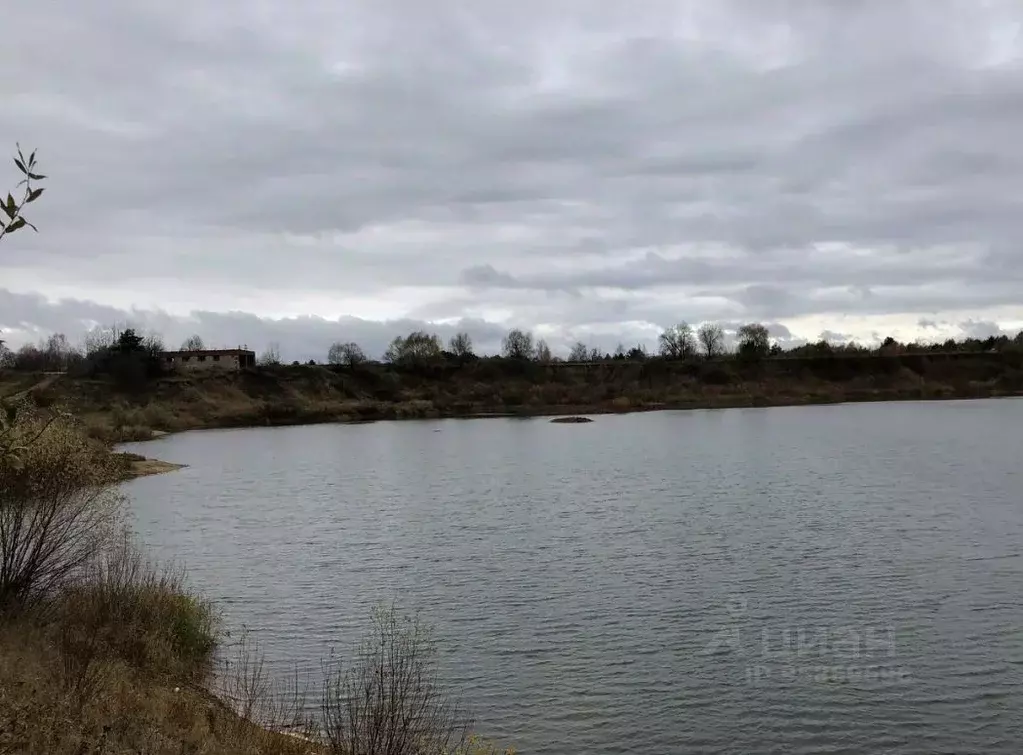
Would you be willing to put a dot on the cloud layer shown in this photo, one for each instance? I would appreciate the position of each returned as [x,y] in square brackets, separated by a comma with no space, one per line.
[576,169]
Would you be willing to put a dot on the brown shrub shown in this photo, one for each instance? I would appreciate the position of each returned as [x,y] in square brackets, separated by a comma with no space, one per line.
[388,702]
[57,511]
[276,704]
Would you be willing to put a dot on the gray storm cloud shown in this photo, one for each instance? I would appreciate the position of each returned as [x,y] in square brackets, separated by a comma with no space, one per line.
[569,166]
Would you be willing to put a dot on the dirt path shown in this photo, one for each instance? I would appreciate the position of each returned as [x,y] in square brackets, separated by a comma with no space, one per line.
[49,379]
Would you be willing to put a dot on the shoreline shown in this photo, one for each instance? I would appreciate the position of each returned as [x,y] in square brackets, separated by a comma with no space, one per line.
[136,466]
[530,412]
[115,410]
[141,466]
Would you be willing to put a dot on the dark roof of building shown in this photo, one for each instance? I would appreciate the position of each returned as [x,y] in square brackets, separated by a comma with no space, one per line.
[207,352]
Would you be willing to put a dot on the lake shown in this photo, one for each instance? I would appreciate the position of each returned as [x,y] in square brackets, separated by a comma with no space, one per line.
[840,579]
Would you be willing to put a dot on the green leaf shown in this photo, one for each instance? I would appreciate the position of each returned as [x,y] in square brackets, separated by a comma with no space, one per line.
[34,195]
[11,208]
[35,177]
[21,166]
[16,225]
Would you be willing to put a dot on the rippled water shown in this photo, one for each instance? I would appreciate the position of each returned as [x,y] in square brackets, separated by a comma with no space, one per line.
[790,580]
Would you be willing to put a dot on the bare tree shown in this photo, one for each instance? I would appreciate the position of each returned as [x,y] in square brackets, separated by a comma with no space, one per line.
[415,348]
[61,355]
[461,345]
[389,701]
[193,343]
[347,354]
[580,352]
[542,352]
[395,350]
[100,339]
[518,344]
[57,348]
[152,343]
[54,354]
[678,342]
[103,338]
[712,339]
[12,207]
[272,355]
[754,340]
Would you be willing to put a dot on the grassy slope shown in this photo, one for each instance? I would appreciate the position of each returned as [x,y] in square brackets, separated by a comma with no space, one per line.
[45,708]
[302,394]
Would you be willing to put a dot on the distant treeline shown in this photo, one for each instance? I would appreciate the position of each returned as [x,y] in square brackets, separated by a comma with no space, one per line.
[133,356]
[123,354]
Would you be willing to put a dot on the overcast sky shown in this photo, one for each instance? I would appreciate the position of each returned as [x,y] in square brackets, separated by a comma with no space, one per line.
[309,171]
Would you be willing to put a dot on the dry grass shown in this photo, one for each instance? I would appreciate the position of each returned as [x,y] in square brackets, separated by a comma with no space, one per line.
[48,704]
[79,684]
[126,608]
[117,663]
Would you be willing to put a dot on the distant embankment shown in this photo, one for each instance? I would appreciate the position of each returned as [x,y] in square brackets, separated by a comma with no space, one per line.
[309,393]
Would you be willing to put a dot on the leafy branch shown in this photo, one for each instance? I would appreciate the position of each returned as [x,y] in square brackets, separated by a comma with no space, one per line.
[10,444]
[11,207]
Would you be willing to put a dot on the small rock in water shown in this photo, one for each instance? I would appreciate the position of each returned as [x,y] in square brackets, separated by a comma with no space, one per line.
[571,420]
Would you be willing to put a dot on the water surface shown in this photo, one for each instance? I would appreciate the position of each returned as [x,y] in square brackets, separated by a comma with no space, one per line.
[839,579]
